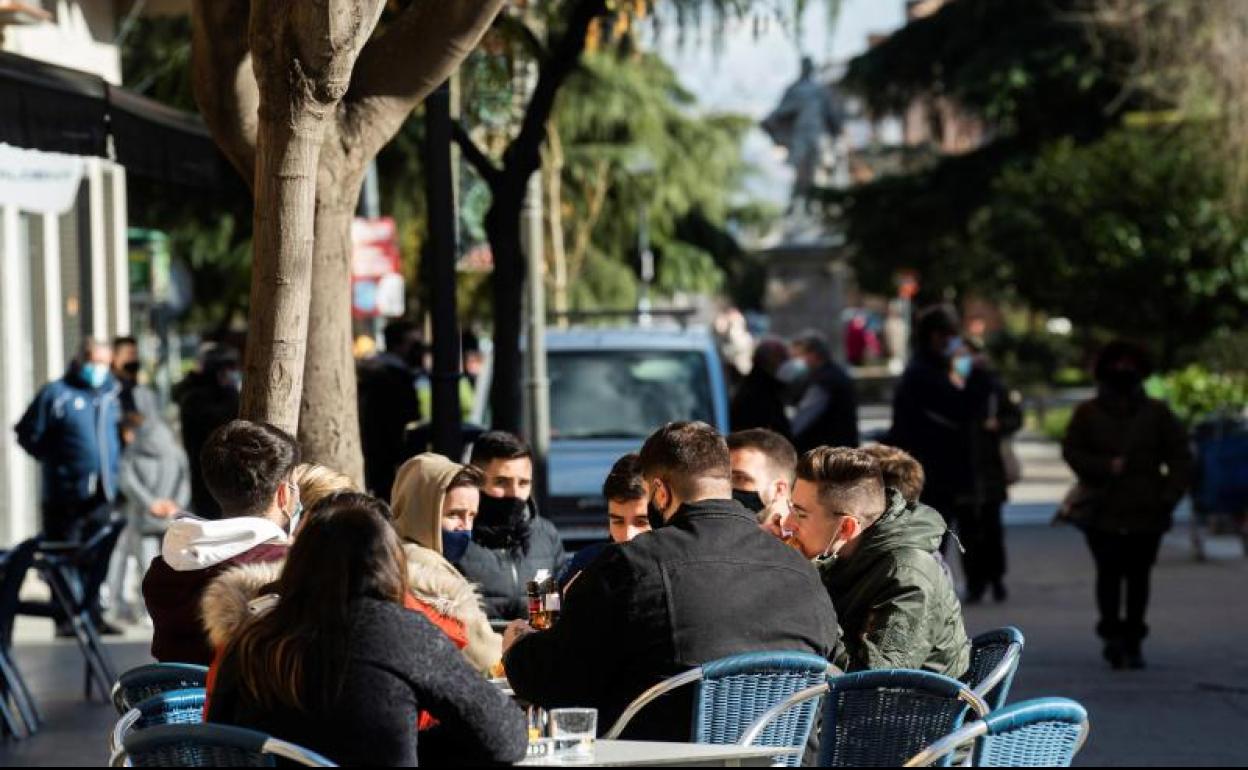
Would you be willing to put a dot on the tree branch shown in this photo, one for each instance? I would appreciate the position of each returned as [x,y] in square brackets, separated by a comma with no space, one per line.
[415,55]
[484,167]
[223,81]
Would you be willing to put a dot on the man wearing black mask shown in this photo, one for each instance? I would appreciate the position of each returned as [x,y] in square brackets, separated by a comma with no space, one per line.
[389,403]
[510,541]
[763,467]
[126,368]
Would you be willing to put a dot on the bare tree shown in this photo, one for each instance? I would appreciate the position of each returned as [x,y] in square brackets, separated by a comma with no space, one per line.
[300,96]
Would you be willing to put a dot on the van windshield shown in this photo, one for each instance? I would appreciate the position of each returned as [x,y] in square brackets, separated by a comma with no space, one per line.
[626,393]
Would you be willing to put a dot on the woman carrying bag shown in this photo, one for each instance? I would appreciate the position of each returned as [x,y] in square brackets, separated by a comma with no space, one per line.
[1131,456]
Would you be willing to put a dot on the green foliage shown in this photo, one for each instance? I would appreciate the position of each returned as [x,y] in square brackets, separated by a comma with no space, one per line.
[1196,394]
[1055,421]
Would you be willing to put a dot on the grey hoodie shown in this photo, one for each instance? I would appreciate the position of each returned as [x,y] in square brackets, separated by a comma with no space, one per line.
[154,468]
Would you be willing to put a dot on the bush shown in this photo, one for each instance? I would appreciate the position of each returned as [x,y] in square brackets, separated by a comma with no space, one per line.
[1197,394]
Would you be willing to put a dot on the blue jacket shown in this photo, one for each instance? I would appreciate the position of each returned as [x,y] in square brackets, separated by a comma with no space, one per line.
[73,431]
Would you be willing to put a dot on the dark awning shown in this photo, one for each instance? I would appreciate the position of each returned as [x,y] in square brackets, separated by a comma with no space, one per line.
[55,109]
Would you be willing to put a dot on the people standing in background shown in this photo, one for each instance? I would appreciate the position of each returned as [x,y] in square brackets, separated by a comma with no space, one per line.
[759,399]
[827,414]
[1134,465]
[207,399]
[515,541]
[389,403]
[73,428]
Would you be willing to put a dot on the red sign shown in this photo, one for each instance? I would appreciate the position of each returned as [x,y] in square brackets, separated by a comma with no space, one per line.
[376,268]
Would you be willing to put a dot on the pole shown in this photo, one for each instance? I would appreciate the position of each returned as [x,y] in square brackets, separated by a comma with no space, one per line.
[646,257]
[537,384]
[440,194]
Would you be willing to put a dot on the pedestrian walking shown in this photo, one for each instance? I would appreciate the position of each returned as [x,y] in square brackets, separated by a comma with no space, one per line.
[827,414]
[389,403]
[1133,463]
[207,399]
[73,429]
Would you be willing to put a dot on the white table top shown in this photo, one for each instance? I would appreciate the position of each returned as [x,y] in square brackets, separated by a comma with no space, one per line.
[656,754]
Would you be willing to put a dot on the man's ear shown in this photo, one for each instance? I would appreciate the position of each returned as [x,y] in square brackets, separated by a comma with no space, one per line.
[850,528]
[781,489]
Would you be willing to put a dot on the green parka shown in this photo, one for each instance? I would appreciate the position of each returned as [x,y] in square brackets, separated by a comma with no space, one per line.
[894,599]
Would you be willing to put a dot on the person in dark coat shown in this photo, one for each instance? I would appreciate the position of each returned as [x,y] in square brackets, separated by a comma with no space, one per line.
[207,399]
[341,667]
[936,407]
[389,403]
[1134,464]
[248,467]
[827,414]
[707,584]
[73,428]
[511,541]
[759,399]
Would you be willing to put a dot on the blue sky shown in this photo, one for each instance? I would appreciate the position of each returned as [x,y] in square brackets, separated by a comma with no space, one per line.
[750,70]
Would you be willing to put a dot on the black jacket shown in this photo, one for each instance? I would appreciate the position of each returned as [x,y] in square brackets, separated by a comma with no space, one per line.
[501,572]
[759,403]
[397,664]
[203,405]
[828,412]
[706,585]
[934,421]
[388,403]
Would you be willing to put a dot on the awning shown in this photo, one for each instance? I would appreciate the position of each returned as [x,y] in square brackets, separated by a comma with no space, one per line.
[55,109]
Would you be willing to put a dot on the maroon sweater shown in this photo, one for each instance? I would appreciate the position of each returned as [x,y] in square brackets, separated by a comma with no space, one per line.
[173,600]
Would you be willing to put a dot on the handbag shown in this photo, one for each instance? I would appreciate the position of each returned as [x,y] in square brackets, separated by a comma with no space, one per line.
[1010,464]
[1078,506]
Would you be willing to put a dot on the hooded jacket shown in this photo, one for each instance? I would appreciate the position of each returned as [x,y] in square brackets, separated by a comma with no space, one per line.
[72,430]
[153,468]
[194,552]
[896,604]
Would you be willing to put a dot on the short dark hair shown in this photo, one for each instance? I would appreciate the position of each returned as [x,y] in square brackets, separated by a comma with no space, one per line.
[124,340]
[243,464]
[467,476]
[398,333]
[814,341]
[849,475]
[780,454]
[498,445]
[624,482]
[942,319]
[900,471]
[686,454]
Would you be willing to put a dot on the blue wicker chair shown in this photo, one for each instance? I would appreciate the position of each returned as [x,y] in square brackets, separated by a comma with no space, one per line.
[1046,732]
[210,745]
[139,684]
[994,660]
[175,707]
[732,692]
[880,718]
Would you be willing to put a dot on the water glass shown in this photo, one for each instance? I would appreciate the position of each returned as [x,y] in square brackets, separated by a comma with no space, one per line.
[574,731]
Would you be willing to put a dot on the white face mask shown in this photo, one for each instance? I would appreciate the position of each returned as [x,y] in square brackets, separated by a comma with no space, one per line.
[297,513]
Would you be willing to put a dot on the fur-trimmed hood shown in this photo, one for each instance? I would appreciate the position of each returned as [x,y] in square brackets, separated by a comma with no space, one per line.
[234,597]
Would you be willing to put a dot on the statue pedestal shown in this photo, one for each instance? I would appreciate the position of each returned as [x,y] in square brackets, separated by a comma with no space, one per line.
[808,279]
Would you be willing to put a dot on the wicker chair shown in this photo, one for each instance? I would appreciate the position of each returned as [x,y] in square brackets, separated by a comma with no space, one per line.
[732,692]
[175,707]
[210,745]
[994,660]
[1046,732]
[880,718]
[139,684]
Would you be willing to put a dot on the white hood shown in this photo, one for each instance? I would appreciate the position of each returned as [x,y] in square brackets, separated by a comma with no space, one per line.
[192,543]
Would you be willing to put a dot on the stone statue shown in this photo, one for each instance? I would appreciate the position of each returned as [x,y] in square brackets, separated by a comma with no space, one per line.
[807,112]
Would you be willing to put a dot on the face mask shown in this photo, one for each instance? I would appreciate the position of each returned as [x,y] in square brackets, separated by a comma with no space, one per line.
[963,365]
[654,516]
[829,554]
[751,500]
[95,375]
[235,380]
[793,370]
[500,511]
[454,544]
[1123,380]
[297,513]
[953,346]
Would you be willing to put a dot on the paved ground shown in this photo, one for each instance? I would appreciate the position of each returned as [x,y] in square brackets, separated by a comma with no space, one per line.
[1189,708]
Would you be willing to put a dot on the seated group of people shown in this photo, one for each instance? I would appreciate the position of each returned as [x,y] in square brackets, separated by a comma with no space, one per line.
[336,622]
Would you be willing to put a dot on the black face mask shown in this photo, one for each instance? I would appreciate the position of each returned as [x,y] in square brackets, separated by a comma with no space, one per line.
[751,500]
[655,516]
[1123,380]
[131,368]
[502,522]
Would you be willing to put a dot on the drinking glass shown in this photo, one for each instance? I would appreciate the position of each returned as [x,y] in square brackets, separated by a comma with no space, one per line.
[574,731]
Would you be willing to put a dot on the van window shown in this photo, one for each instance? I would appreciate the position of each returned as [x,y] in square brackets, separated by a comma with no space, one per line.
[612,394]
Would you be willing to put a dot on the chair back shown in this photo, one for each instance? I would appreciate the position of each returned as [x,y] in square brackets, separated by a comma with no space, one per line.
[210,745]
[139,684]
[882,718]
[175,707]
[14,564]
[1045,732]
[994,660]
[735,691]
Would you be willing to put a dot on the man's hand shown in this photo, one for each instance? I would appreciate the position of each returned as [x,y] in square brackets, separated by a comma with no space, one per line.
[163,509]
[514,631]
[772,516]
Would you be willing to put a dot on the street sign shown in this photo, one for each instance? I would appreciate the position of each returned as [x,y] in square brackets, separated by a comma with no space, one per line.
[377,287]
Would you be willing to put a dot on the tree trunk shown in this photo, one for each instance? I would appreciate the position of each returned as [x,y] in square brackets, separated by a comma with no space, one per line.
[553,168]
[502,226]
[329,423]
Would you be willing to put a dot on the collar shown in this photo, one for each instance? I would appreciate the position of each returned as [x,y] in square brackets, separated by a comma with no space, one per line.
[716,508]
